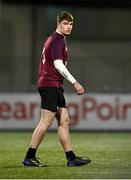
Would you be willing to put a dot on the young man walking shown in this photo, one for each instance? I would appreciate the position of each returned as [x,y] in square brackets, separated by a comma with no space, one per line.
[52,71]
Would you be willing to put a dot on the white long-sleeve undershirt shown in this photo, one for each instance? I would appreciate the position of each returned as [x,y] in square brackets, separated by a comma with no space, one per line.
[61,68]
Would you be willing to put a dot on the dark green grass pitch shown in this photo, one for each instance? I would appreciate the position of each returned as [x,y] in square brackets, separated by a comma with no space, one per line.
[110,154]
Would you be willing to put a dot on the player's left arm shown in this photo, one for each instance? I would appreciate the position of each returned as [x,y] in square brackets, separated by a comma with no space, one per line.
[61,68]
[58,63]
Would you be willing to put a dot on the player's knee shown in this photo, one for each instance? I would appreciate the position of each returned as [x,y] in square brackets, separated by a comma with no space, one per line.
[46,122]
[64,122]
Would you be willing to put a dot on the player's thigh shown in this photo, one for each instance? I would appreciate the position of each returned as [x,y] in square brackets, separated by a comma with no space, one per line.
[62,116]
[47,116]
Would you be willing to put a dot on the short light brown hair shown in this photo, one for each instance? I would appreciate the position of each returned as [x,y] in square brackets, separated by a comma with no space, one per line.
[64,15]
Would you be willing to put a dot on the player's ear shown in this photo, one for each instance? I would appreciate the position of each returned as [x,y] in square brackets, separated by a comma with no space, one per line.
[58,23]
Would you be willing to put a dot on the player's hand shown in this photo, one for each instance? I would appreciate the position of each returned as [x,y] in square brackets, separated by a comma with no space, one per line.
[79,89]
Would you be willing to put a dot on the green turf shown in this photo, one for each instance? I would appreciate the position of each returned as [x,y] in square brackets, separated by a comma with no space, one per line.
[110,154]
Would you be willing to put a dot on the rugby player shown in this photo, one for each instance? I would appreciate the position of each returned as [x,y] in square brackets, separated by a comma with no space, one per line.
[52,71]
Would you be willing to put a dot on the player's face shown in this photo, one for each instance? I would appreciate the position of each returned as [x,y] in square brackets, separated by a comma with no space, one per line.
[65,27]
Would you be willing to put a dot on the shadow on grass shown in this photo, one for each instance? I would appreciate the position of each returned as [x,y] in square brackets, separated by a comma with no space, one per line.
[3,167]
[31,167]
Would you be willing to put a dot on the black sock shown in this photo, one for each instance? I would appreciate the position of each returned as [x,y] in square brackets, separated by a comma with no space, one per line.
[70,155]
[30,153]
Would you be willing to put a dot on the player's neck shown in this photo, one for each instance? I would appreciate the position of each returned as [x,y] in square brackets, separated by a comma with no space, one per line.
[60,33]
